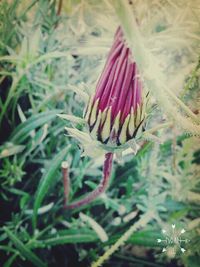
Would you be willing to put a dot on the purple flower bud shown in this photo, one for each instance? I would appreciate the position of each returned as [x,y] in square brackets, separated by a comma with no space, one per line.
[117,109]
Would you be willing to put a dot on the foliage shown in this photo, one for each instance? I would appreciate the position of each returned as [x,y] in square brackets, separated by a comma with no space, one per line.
[49,64]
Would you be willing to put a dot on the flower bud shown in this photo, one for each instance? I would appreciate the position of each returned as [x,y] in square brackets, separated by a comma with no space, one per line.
[117,109]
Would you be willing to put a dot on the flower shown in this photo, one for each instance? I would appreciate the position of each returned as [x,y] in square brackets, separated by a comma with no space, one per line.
[117,109]
[114,113]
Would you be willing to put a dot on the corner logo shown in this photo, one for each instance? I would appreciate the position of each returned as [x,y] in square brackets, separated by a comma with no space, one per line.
[173,240]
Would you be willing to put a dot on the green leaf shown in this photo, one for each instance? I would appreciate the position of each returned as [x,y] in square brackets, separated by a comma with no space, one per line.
[24,251]
[46,181]
[10,261]
[144,238]
[70,239]
[24,129]
[72,236]
[10,149]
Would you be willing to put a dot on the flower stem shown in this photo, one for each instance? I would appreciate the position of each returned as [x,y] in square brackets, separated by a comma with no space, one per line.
[100,189]
[66,182]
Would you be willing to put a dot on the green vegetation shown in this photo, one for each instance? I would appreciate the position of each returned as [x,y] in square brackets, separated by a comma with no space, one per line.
[50,60]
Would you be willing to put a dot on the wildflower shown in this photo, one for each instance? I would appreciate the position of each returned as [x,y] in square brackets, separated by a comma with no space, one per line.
[117,109]
[115,112]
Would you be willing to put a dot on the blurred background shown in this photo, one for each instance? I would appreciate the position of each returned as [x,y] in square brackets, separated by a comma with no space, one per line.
[51,55]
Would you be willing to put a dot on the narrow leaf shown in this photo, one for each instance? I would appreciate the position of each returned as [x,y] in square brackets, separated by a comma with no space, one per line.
[24,251]
[46,181]
[10,149]
[23,130]
[68,239]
